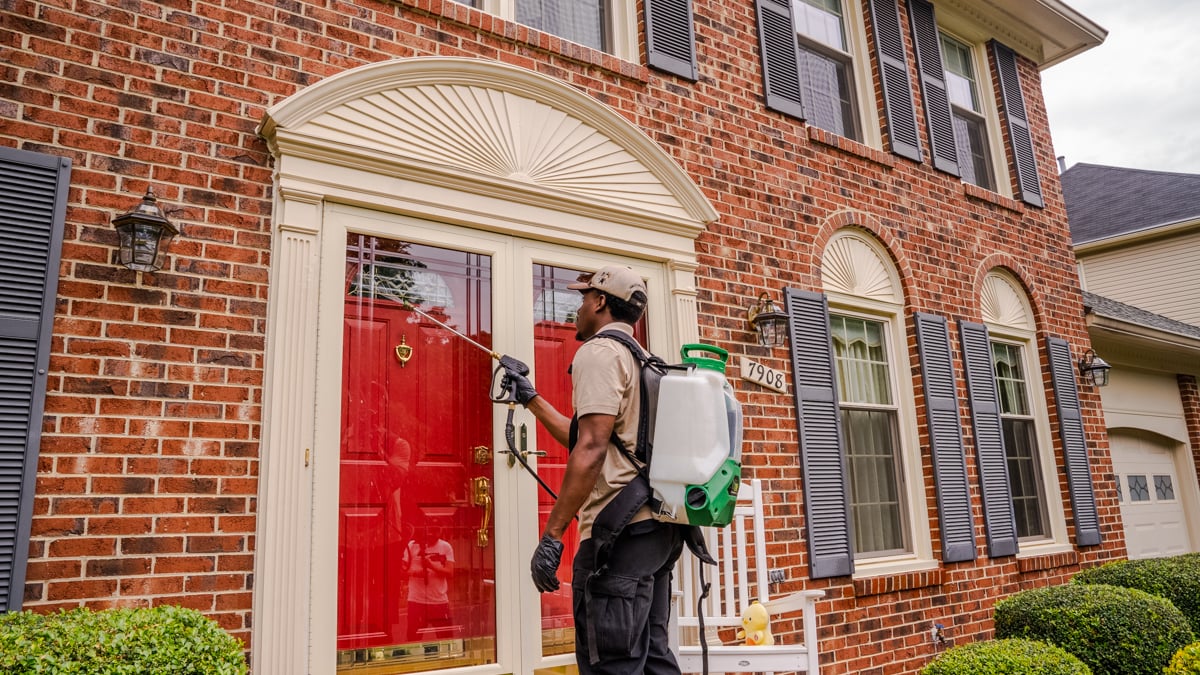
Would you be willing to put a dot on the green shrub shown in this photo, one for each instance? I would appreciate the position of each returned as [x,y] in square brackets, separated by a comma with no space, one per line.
[126,641]
[1115,631]
[1176,579]
[1186,661]
[1007,657]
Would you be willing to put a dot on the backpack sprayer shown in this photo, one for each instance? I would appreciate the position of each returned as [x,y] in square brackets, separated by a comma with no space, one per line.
[696,476]
[501,391]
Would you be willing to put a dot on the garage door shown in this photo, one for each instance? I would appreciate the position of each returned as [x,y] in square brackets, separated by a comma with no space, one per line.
[1151,508]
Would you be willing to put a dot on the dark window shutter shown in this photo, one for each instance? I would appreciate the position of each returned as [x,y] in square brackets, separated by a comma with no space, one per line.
[945,434]
[938,118]
[1020,139]
[989,440]
[1070,429]
[33,202]
[780,57]
[818,417]
[670,37]
[893,75]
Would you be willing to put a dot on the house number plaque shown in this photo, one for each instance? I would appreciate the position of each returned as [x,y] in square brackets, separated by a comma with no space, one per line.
[760,374]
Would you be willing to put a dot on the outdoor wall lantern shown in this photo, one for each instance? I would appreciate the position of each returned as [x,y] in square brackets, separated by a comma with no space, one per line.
[770,323]
[1094,369]
[145,234]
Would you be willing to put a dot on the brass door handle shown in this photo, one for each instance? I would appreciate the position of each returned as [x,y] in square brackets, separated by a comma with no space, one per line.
[481,495]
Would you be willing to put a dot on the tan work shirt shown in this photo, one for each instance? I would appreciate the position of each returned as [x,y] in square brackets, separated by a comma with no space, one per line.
[606,379]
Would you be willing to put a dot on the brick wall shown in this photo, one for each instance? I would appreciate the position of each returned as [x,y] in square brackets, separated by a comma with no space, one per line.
[147,476]
[1189,395]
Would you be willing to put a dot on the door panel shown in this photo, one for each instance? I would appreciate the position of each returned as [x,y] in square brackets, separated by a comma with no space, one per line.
[416,556]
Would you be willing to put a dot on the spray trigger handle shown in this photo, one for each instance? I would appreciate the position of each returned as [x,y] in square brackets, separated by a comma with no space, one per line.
[509,363]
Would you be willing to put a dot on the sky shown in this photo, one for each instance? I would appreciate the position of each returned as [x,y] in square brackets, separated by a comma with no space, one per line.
[1133,101]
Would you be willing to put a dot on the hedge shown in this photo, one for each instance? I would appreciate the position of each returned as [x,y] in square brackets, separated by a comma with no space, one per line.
[1007,657]
[1186,661]
[1176,579]
[1114,630]
[123,641]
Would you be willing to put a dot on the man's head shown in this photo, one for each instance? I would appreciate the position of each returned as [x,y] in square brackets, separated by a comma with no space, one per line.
[612,293]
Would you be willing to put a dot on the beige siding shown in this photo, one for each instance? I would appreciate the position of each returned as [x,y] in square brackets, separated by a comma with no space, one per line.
[1160,276]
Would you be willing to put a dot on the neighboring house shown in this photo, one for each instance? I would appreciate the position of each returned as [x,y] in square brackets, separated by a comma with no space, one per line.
[1137,240]
[266,430]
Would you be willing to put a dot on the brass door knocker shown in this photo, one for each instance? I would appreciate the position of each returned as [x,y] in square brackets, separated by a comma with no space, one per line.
[403,351]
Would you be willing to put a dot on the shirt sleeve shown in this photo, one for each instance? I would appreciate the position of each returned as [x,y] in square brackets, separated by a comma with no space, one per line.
[599,378]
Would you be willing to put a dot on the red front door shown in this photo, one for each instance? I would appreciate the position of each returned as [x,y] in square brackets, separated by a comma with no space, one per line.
[416,559]
[435,534]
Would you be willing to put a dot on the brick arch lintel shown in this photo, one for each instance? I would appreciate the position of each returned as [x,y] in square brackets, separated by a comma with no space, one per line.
[1008,263]
[882,231]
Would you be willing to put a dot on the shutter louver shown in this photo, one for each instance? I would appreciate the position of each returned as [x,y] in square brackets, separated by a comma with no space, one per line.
[1020,138]
[33,200]
[818,418]
[901,116]
[945,435]
[670,37]
[1070,430]
[989,440]
[938,117]
[780,57]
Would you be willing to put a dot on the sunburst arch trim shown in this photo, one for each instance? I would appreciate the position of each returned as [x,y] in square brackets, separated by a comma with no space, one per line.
[1004,303]
[497,122]
[854,265]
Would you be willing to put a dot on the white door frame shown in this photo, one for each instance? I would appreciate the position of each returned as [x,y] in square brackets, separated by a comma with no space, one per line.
[363,138]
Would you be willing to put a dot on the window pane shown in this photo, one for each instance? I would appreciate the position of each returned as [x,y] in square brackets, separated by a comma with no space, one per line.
[1139,491]
[821,20]
[974,161]
[861,358]
[960,74]
[579,21]
[1025,478]
[827,93]
[1163,488]
[872,449]
[1010,379]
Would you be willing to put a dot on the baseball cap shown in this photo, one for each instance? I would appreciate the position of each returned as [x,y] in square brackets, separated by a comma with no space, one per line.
[617,281]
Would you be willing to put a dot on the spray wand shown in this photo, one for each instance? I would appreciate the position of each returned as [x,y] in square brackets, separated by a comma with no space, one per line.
[501,391]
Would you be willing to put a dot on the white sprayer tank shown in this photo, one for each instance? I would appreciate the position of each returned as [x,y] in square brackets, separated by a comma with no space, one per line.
[697,428]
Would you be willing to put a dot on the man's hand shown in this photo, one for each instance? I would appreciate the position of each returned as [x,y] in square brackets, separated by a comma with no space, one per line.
[544,565]
[514,376]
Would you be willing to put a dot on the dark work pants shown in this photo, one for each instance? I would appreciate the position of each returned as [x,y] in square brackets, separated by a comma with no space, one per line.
[629,605]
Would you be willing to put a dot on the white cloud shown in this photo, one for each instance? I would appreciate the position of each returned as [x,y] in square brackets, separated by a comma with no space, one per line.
[1134,101]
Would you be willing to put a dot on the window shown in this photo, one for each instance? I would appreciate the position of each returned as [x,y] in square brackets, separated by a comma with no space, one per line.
[1008,352]
[826,66]
[606,25]
[1020,442]
[581,21]
[970,126]
[870,435]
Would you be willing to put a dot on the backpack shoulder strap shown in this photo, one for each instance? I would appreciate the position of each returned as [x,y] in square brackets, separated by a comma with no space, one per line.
[644,358]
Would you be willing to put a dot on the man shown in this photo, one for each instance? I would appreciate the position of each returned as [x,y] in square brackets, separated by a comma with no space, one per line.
[622,601]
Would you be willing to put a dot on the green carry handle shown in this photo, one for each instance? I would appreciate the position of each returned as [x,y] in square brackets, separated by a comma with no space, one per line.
[717,364]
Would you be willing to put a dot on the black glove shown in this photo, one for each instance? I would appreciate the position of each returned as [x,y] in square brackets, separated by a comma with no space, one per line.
[515,379]
[545,564]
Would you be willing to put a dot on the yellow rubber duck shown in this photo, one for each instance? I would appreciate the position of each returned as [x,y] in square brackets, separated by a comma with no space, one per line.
[756,625]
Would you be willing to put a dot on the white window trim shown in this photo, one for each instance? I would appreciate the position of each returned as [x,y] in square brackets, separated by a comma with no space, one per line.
[911,468]
[624,29]
[964,31]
